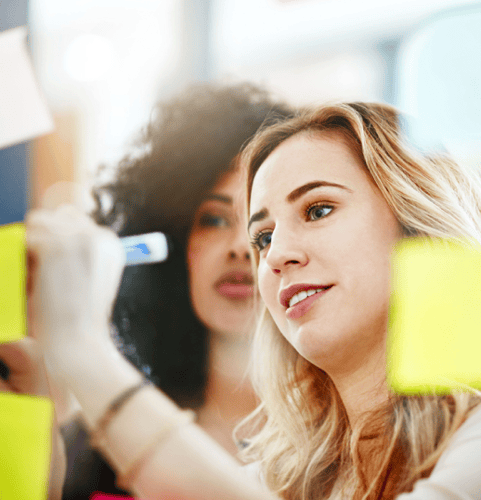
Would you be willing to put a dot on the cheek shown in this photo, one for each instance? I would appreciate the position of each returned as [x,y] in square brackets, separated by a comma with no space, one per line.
[198,283]
[263,282]
[369,277]
[197,251]
[268,287]
[195,266]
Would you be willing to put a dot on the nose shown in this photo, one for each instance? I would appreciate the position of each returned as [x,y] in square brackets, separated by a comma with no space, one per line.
[284,252]
[238,248]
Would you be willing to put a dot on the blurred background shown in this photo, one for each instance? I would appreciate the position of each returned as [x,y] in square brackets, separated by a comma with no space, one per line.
[103,63]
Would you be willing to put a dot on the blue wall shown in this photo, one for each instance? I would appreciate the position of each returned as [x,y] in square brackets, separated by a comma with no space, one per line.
[13,160]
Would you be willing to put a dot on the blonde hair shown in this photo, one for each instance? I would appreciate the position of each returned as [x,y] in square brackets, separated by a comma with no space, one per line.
[301,434]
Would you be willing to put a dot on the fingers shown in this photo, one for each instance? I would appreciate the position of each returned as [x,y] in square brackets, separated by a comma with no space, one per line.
[20,356]
[4,386]
[66,221]
[26,370]
[73,218]
[67,230]
[42,226]
[66,218]
[79,269]
[32,264]
[68,192]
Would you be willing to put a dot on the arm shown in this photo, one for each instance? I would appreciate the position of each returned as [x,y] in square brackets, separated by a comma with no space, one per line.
[185,464]
[78,271]
[457,475]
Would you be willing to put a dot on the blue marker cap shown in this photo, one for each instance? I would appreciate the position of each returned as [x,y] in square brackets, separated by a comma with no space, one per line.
[145,248]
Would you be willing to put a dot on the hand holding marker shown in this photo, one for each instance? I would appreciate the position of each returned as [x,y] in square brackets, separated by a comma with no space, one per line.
[140,249]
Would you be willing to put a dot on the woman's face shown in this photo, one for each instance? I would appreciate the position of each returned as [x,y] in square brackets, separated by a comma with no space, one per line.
[324,235]
[220,276]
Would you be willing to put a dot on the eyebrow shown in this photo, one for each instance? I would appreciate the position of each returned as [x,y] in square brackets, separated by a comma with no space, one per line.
[260,215]
[218,197]
[298,192]
[295,195]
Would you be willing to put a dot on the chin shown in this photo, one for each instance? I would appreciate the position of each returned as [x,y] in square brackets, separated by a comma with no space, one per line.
[318,345]
[238,326]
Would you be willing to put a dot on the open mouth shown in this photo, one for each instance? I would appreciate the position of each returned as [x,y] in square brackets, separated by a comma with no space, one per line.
[304,294]
[299,303]
[236,285]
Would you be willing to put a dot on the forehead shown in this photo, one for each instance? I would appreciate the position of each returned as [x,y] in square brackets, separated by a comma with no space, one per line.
[303,158]
[229,183]
[228,191]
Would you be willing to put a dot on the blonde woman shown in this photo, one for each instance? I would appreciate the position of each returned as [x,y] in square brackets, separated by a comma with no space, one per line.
[329,194]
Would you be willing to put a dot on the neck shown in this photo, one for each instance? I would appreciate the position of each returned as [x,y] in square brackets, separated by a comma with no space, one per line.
[229,396]
[228,359]
[363,388]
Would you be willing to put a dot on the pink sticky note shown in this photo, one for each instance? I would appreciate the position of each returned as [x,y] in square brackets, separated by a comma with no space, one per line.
[104,496]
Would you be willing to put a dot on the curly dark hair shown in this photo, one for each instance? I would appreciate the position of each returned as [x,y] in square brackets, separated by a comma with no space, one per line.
[191,141]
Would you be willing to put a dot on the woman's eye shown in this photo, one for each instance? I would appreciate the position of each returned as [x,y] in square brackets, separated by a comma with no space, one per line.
[317,212]
[262,240]
[211,220]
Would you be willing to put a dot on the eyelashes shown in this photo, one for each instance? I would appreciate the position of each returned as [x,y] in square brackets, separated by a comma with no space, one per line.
[318,211]
[314,212]
[261,240]
[208,219]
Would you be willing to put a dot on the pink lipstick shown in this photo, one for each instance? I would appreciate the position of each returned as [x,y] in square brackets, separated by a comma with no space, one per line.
[299,309]
[302,303]
[236,285]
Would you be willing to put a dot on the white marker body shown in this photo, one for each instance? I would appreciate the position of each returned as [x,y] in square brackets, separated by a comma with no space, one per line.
[145,248]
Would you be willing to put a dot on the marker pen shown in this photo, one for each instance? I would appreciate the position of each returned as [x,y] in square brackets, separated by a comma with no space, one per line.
[145,248]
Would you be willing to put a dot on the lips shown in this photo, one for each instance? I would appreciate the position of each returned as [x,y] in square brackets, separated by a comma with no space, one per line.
[301,307]
[289,292]
[235,285]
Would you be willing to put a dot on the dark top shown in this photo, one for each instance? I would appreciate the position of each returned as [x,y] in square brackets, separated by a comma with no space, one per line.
[87,471]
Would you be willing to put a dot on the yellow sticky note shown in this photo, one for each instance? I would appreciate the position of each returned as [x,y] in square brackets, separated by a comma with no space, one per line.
[12,282]
[434,337]
[25,444]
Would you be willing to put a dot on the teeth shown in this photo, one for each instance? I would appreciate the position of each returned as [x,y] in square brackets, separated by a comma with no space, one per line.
[303,295]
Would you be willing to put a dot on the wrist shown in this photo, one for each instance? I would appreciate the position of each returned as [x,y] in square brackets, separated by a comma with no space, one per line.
[69,355]
[95,372]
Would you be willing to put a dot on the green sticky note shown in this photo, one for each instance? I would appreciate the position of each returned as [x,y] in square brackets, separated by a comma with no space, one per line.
[434,337]
[12,282]
[25,444]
